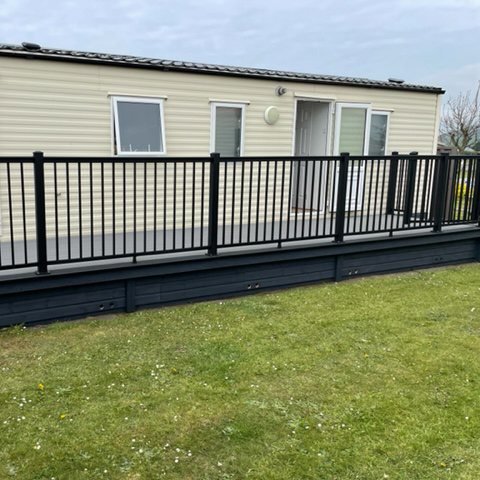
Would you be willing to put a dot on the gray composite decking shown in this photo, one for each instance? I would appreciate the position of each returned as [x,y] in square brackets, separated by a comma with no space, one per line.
[179,242]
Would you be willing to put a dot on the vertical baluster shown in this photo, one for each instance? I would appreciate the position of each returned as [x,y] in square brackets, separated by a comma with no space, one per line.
[258,199]
[124,196]
[165,205]
[357,196]
[184,201]
[304,206]
[274,202]
[242,194]
[92,239]
[80,228]
[375,202]
[267,179]
[328,190]
[155,205]
[334,194]
[134,212]
[382,197]
[282,199]
[69,223]
[194,193]
[174,204]
[24,213]
[250,193]
[10,213]
[114,216]
[297,195]
[348,204]
[314,163]
[203,204]
[102,178]
[145,183]
[224,221]
[55,189]
[232,217]
[290,197]
[319,195]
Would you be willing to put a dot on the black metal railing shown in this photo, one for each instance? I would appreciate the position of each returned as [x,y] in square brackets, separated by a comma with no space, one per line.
[61,210]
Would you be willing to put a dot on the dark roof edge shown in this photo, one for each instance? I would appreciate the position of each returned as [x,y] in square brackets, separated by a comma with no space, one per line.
[209,69]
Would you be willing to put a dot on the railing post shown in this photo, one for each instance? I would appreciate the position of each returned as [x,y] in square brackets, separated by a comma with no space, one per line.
[410,187]
[40,219]
[441,193]
[392,183]
[341,198]
[213,204]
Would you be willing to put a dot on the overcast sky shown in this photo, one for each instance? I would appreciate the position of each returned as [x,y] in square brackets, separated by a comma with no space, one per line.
[433,42]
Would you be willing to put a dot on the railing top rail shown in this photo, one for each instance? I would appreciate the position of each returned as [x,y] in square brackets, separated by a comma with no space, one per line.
[272,158]
[223,159]
[16,159]
[122,160]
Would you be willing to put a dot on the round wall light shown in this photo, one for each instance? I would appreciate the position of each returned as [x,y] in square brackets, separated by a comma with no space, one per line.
[272,115]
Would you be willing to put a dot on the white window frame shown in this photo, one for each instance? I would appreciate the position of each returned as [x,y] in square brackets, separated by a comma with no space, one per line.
[387,114]
[338,119]
[116,138]
[213,123]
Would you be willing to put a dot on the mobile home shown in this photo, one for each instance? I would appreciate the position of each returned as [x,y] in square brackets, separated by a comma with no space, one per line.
[92,105]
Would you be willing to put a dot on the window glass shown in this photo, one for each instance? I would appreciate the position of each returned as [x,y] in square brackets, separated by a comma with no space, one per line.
[352,130]
[228,131]
[139,127]
[378,134]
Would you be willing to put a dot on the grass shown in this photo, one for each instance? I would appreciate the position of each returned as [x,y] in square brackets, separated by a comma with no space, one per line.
[371,379]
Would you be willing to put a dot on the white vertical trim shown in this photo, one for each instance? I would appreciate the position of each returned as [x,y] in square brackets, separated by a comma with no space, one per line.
[436,126]
[213,123]
[329,128]
[294,132]
[112,128]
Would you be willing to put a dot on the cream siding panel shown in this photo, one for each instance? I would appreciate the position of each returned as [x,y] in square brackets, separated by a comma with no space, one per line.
[64,109]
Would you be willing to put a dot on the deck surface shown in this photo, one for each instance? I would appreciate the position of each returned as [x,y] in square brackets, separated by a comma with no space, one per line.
[185,242]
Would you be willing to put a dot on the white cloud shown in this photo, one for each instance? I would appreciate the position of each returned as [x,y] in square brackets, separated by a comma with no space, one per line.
[455,80]
[441,3]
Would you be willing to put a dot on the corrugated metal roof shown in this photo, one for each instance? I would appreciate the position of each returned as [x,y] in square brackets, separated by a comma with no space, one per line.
[34,51]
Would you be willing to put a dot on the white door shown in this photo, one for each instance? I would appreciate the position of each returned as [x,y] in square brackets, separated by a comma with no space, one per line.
[302,149]
[310,140]
[352,130]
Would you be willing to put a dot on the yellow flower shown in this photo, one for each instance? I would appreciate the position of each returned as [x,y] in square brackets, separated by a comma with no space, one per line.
[41,387]
[366,355]
[62,415]
[174,371]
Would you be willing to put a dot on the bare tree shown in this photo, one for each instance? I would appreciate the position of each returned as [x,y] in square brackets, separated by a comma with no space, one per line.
[461,120]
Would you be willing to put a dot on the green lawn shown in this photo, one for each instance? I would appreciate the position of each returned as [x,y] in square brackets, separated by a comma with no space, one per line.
[372,379]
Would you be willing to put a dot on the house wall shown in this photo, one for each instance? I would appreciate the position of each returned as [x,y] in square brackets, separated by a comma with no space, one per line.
[64,109]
